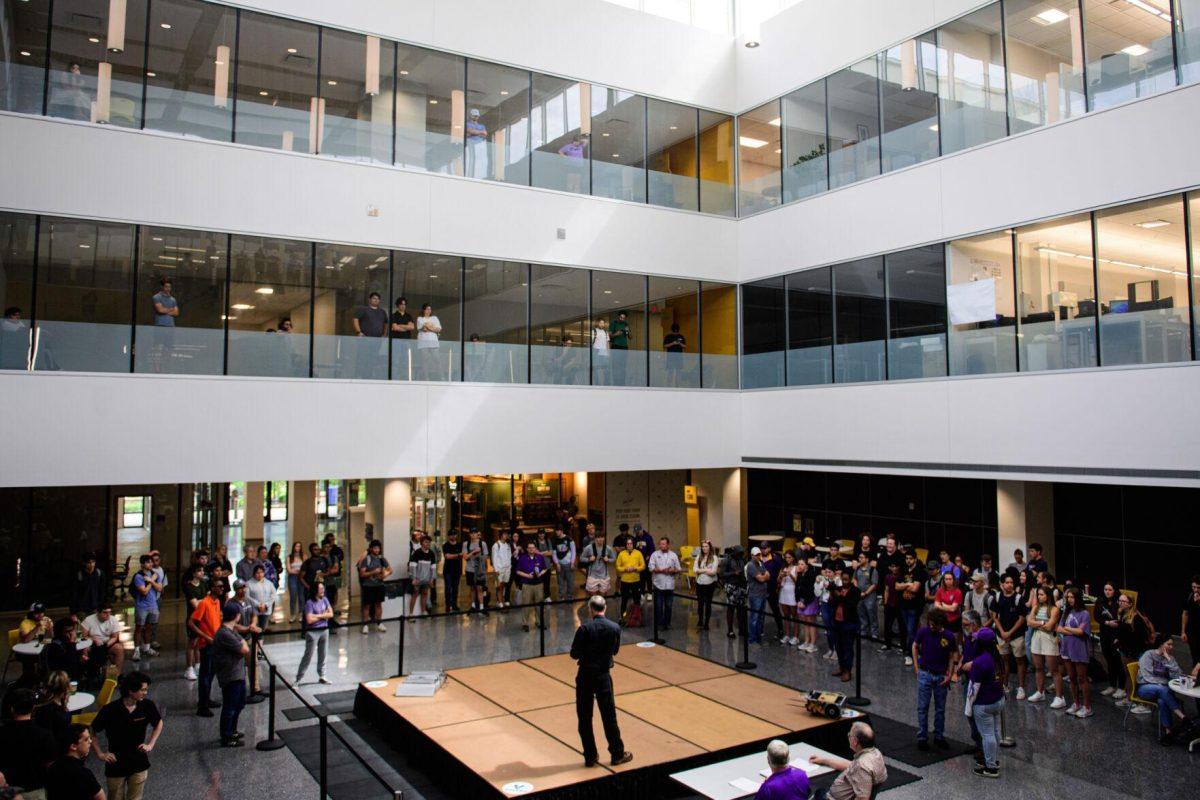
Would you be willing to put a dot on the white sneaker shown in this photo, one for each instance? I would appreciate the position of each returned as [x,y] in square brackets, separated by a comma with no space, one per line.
[1020,692]
[884,649]
[1036,697]
[1057,702]
[150,651]
[1084,713]
[190,674]
[1139,709]
[379,626]
[908,661]
[1074,707]
[1109,691]
[1122,703]
[137,654]
[366,629]
[793,641]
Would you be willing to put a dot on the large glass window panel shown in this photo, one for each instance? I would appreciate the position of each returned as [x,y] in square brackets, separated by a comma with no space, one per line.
[494,319]
[759,159]
[97,51]
[763,339]
[270,307]
[430,109]
[1130,50]
[810,327]
[1045,62]
[1187,39]
[356,97]
[980,287]
[909,97]
[618,144]
[190,341]
[619,299]
[1141,252]
[84,296]
[1056,295]
[716,163]
[434,353]
[23,55]
[718,336]
[189,78]
[861,322]
[277,99]
[854,122]
[497,126]
[805,148]
[560,125]
[351,318]
[18,245]
[971,80]
[917,313]
[559,336]
[674,337]
[672,159]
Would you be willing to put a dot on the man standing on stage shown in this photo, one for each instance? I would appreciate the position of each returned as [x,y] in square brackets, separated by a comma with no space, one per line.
[596,642]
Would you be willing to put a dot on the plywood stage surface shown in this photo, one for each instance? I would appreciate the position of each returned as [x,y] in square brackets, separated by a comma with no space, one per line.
[513,725]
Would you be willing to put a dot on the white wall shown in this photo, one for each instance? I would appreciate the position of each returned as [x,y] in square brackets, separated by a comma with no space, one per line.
[1125,419]
[592,40]
[77,169]
[1107,157]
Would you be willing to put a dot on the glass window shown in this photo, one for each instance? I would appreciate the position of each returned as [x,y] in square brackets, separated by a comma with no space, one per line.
[356,97]
[763,337]
[96,61]
[189,78]
[270,307]
[1187,39]
[674,337]
[84,289]
[494,318]
[430,109]
[1057,298]
[810,327]
[671,144]
[909,96]
[561,126]
[559,335]
[917,313]
[718,336]
[190,341]
[277,97]
[619,144]
[860,320]
[759,159]
[18,245]
[971,91]
[619,302]
[716,163]
[980,286]
[1130,50]
[854,123]
[432,285]
[350,312]
[805,149]
[1141,250]
[23,55]
[497,122]
[1044,41]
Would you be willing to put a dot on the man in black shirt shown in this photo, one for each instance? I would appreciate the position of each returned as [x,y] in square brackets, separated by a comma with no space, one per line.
[402,322]
[26,748]
[452,553]
[596,642]
[402,327]
[1035,560]
[127,761]
[69,777]
[1008,618]
[88,591]
[313,570]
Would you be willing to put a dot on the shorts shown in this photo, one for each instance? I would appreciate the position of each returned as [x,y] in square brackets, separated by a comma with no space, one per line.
[812,609]
[1044,644]
[372,595]
[503,576]
[1016,646]
[474,581]
[145,616]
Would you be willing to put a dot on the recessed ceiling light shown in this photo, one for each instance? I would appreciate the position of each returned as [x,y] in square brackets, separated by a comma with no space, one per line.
[605,134]
[214,258]
[226,317]
[26,53]
[504,91]
[332,83]
[1135,50]
[1049,17]
[293,50]
[403,72]
[433,102]
[85,247]
[616,155]
[1152,223]
[434,277]
[608,291]
[263,93]
[157,238]
[674,127]
[241,307]
[264,290]
[746,141]
[151,74]
[166,26]
[93,40]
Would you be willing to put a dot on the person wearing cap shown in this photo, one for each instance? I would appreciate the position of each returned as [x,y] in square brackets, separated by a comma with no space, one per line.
[986,696]
[35,624]
[229,665]
[758,592]
[933,581]
[317,613]
[477,155]
[979,598]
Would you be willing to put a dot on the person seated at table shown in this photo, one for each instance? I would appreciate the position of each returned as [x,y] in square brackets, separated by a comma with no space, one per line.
[54,714]
[1156,669]
[859,776]
[35,624]
[103,629]
[785,781]
[61,653]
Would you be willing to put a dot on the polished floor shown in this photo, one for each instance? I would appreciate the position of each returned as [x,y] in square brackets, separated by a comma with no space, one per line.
[1056,756]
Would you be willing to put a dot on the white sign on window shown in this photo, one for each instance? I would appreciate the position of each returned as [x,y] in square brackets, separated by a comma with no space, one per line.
[972,302]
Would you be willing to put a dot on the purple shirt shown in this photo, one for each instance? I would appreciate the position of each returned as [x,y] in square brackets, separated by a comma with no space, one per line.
[1075,648]
[572,150]
[317,607]
[789,784]
[983,672]
[532,564]
[934,649]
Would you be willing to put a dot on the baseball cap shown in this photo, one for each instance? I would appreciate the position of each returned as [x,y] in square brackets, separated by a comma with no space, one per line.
[231,610]
[979,576]
[239,584]
[985,635]
[932,564]
[808,540]
[474,112]
[37,608]
[754,551]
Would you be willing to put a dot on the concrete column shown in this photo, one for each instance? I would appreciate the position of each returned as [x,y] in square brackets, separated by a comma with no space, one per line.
[1024,514]
[302,514]
[389,511]
[722,503]
[252,526]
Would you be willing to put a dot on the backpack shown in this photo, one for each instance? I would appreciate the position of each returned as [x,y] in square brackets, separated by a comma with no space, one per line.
[633,616]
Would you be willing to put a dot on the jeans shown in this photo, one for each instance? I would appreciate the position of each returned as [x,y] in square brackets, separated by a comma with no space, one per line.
[868,616]
[976,736]
[598,686]
[891,621]
[827,621]
[452,579]
[757,617]
[566,582]
[233,700]
[662,607]
[318,639]
[929,684]
[704,597]
[204,681]
[987,720]
[909,615]
[844,635]
[295,592]
[1167,704]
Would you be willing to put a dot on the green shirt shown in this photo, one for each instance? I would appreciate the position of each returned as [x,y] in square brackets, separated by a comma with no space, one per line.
[620,335]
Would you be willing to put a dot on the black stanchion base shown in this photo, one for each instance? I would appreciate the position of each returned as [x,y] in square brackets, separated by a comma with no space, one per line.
[857,701]
[256,698]
[745,665]
[1008,742]
[270,744]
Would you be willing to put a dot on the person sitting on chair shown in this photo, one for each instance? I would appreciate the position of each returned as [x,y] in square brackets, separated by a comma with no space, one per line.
[859,777]
[785,781]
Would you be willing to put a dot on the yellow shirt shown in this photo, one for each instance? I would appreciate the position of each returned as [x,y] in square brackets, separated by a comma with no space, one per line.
[627,559]
[28,627]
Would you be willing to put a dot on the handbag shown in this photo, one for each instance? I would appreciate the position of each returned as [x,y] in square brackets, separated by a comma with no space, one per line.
[972,693]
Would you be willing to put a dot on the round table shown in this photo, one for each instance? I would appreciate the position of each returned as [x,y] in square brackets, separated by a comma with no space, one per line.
[35,648]
[766,537]
[79,701]
[1179,687]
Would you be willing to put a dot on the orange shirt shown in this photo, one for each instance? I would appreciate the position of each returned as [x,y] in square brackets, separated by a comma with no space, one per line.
[208,617]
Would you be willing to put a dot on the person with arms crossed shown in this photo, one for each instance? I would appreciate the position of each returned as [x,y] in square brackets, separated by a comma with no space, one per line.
[373,570]
[596,642]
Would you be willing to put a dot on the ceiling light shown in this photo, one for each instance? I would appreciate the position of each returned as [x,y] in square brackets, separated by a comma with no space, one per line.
[85,247]
[166,26]
[433,277]
[26,53]
[214,258]
[157,238]
[1049,17]
[93,40]
[776,122]
[1152,223]
[1149,8]
[151,74]
[616,155]
[674,127]
[403,72]
[746,141]
[332,83]
[293,50]
[264,290]
[606,133]
[241,307]
[1135,50]
[608,291]
[263,93]
[225,317]
[433,102]
[504,91]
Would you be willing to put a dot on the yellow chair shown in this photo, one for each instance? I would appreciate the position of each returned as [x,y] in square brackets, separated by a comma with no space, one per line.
[14,636]
[1132,669]
[789,543]
[922,555]
[1132,594]
[688,563]
[106,693]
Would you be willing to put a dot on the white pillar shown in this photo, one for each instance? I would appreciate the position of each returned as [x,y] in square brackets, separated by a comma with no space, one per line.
[722,502]
[1024,514]
[389,511]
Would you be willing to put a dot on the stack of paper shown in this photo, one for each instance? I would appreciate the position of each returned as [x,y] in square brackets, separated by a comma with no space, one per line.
[745,785]
[808,767]
[420,684]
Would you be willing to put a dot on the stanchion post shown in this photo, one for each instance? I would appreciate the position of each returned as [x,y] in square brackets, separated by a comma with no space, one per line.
[542,628]
[324,771]
[656,638]
[858,699]
[1005,739]
[255,696]
[744,626]
[400,649]
[271,742]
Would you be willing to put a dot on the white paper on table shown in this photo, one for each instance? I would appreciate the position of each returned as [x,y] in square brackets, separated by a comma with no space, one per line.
[807,766]
[974,301]
[745,785]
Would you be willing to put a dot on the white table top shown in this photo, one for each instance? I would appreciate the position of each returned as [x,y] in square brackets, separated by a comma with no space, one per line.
[1179,687]
[714,780]
[79,701]
[35,648]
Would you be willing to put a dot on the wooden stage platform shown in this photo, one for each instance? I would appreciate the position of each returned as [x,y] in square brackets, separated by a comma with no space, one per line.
[509,729]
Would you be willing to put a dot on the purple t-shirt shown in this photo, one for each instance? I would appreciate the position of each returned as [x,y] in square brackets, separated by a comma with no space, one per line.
[934,649]
[790,784]
[1075,648]
[317,607]
[532,564]
[983,672]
